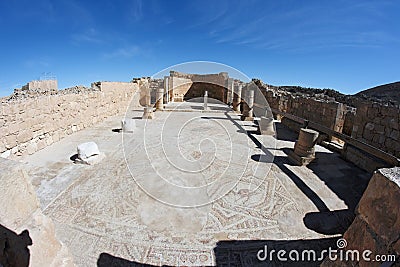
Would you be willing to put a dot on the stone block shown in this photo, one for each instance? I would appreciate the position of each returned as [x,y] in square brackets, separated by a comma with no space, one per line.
[360,237]
[266,126]
[367,134]
[148,113]
[41,144]
[88,149]
[24,136]
[11,141]
[394,124]
[369,126]
[379,205]
[13,128]
[380,129]
[128,125]
[396,247]
[394,135]
[31,148]
[48,140]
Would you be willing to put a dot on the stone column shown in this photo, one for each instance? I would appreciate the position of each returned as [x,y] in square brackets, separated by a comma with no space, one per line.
[266,126]
[304,148]
[166,89]
[244,107]
[148,113]
[160,99]
[237,97]
[205,101]
[229,88]
[171,89]
[128,125]
[248,106]
[148,97]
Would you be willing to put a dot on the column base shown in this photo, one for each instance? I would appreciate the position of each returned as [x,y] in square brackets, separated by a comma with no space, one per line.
[298,160]
[148,113]
[246,118]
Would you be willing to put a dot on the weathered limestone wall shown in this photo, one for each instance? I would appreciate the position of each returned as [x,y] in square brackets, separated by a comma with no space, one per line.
[330,114]
[184,86]
[220,79]
[377,224]
[379,126]
[29,125]
[44,85]
[178,87]
[215,84]
[19,211]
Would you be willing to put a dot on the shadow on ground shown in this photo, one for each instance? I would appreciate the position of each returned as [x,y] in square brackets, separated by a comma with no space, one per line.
[346,180]
[14,248]
[252,253]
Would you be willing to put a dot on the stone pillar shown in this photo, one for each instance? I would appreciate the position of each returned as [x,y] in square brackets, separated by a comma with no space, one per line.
[148,113]
[229,88]
[171,89]
[304,148]
[148,97]
[205,101]
[166,89]
[237,98]
[245,108]
[266,126]
[160,99]
[128,125]
[248,106]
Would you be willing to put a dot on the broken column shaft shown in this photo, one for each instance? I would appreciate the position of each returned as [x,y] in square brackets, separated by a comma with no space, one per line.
[304,148]
[160,99]
[237,98]
[248,106]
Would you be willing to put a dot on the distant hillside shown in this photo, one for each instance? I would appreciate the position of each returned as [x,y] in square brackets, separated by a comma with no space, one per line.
[383,93]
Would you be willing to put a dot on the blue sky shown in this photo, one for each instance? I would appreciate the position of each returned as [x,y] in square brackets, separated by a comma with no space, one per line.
[345,45]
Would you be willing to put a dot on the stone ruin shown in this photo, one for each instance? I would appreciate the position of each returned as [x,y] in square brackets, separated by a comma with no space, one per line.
[38,115]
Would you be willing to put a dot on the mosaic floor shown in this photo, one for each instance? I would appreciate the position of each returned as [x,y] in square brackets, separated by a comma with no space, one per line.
[166,194]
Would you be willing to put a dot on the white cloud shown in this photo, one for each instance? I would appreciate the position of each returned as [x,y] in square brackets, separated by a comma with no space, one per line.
[136,10]
[88,36]
[124,52]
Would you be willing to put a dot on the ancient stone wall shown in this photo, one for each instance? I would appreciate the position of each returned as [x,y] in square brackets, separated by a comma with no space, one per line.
[36,88]
[379,126]
[374,123]
[215,84]
[377,224]
[330,114]
[178,88]
[28,125]
[186,86]
[44,85]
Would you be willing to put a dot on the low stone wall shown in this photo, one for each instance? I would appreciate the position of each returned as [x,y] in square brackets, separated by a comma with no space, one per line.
[29,125]
[330,114]
[379,126]
[362,159]
[377,224]
[375,124]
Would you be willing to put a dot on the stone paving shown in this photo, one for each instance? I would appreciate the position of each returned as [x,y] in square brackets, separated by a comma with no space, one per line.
[167,193]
